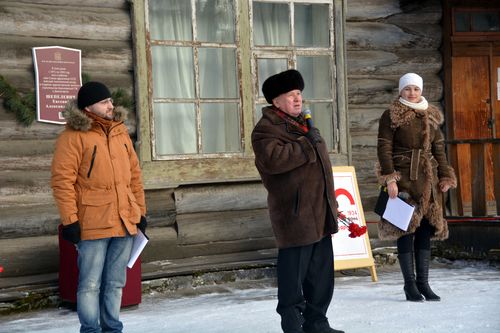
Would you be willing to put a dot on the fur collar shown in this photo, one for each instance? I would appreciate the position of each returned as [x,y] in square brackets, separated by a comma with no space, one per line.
[78,120]
[401,115]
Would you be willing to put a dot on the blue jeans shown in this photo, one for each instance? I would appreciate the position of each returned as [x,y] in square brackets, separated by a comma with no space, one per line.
[102,265]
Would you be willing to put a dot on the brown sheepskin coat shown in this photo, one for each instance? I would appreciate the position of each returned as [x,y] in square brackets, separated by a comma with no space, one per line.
[299,181]
[411,150]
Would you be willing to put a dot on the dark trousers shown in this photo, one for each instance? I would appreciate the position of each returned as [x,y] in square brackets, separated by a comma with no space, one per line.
[305,286]
[420,240]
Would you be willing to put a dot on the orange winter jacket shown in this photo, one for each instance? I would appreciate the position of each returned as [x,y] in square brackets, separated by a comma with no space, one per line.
[96,178]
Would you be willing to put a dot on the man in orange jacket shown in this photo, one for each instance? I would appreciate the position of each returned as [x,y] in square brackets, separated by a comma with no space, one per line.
[97,185]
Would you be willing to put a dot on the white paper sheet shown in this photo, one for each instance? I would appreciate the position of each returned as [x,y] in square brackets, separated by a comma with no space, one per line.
[140,241]
[399,213]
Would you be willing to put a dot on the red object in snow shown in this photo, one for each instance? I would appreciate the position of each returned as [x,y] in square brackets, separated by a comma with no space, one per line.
[68,276]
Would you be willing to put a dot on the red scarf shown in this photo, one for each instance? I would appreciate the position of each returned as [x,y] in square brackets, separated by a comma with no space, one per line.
[298,122]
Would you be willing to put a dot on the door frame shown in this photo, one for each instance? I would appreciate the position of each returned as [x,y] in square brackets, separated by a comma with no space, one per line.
[451,40]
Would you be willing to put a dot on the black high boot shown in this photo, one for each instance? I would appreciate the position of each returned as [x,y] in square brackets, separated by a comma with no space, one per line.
[410,288]
[422,258]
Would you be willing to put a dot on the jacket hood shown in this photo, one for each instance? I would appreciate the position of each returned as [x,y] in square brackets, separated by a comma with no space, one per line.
[78,120]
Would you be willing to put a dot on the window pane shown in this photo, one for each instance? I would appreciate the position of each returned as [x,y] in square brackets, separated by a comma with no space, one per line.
[220,127]
[215,20]
[485,22]
[170,19]
[268,67]
[312,25]
[322,116]
[218,73]
[462,22]
[175,128]
[258,112]
[317,76]
[172,72]
[271,24]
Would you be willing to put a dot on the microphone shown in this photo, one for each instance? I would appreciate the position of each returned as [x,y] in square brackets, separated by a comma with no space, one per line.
[308,118]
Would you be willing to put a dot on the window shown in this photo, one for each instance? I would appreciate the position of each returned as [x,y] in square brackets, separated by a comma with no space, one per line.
[479,21]
[298,35]
[200,69]
[196,102]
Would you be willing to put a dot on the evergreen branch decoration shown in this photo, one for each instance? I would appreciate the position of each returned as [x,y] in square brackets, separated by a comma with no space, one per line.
[23,106]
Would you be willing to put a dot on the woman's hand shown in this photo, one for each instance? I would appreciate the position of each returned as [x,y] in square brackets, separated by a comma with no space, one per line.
[444,187]
[392,189]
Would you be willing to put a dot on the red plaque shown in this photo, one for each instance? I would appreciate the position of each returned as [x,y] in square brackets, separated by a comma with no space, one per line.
[58,78]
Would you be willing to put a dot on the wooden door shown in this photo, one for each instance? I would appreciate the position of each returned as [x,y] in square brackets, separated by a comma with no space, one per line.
[473,122]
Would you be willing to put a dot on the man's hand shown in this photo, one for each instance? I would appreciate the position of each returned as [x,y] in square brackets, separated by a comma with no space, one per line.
[71,232]
[143,224]
[313,136]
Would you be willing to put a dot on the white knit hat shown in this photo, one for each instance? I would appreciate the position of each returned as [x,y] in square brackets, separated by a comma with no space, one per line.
[411,79]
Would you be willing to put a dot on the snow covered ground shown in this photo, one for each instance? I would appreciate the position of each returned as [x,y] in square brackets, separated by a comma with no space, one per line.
[470,303]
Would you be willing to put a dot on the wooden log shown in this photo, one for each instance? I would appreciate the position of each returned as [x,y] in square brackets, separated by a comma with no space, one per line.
[197,199]
[160,206]
[29,255]
[12,130]
[25,256]
[120,4]
[23,79]
[424,16]
[362,10]
[207,261]
[26,163]
[80,22]
[384,90]
[398,62]
[30,210]
[382,36]
[23,220]
[199,228]
[111,56]
[27,148]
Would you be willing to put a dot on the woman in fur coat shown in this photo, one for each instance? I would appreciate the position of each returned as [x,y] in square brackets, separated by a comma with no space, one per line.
[412,164]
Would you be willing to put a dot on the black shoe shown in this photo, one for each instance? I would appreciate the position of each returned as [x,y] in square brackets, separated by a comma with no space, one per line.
[407,268]
[422,258]
[326,330]
[412,293]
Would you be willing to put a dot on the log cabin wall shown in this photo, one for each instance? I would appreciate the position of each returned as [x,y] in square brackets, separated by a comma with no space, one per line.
[386,39]
[102,31]
[228,222]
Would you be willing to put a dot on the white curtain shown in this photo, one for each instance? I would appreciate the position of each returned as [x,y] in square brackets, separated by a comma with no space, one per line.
[175,124]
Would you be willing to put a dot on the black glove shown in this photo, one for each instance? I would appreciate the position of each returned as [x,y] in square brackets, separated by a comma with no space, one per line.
[143,224]
[71,232]
[313,136]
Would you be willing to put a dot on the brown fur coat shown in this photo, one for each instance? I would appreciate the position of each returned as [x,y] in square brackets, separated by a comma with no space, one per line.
[411,150]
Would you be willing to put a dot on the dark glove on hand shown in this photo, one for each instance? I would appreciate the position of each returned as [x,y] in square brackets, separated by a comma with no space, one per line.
[313,136]
[143,224]
[71,232]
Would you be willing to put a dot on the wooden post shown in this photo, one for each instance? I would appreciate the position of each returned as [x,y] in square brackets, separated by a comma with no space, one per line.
[478,181]
[496,173]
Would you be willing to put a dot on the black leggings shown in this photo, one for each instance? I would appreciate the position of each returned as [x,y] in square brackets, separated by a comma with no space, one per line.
[422,238]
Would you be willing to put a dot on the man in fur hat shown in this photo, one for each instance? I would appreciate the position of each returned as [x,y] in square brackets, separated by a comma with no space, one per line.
[97,185]
[295,168]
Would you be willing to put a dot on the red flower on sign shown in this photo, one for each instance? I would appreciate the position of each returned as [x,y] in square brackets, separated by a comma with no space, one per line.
[354,229]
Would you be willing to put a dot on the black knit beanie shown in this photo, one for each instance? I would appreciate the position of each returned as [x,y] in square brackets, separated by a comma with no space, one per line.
[91,93]
[282,83]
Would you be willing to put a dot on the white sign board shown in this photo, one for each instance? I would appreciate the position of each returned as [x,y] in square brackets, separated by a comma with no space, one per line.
[350,252]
